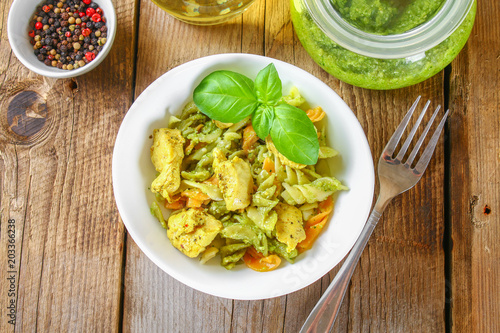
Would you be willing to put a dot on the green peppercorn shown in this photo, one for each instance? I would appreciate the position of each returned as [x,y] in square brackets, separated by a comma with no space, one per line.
[81,63]
[72,28]
[98,33]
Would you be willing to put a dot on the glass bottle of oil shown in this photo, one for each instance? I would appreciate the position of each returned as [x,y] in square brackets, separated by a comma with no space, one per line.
[204,12]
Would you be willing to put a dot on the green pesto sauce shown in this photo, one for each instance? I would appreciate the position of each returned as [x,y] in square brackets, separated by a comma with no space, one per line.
[375,73]
[386,17]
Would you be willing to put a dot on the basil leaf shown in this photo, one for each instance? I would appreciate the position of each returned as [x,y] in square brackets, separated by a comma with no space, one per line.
[268,86]
[294,135]
[226,96]
[262,120]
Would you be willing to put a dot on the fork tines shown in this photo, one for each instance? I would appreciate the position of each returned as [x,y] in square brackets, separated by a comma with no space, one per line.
[426,155]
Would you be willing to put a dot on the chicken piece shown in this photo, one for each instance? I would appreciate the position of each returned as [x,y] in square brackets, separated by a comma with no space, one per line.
[235,180]
[283,159]
[289,229]
[167,153]
[192,230]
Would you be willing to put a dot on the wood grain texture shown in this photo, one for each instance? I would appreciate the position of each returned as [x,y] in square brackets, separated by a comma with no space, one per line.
[77,270]
[475,178]
[56,185]
[405,259]
[153,301]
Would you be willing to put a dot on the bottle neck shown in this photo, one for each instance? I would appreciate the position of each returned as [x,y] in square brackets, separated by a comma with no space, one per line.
[411,43]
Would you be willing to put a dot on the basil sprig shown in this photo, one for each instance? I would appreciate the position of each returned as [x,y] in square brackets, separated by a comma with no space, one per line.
[229,97]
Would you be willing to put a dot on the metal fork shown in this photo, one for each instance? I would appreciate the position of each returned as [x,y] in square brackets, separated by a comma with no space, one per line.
[395,177]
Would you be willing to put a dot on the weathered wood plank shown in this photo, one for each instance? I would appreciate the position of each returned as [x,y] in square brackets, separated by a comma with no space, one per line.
[153,301]
[401,273]
[56,184]
[474,178]
[405,257]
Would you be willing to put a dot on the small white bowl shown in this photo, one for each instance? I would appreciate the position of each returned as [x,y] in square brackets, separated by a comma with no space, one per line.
[133,173]
[20,15]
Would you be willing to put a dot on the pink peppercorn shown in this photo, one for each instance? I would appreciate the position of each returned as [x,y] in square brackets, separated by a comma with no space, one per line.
[90,56]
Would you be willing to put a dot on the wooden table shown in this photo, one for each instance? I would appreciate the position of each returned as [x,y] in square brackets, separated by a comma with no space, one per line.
[432,265]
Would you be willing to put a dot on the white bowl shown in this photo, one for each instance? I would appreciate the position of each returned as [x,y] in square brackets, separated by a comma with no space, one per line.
[133,173]
[20,15]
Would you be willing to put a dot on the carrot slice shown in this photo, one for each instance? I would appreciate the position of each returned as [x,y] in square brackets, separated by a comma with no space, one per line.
[315,114]
[212,180]
[268,165]
[258,262]
[249,138]
[193,203]
[178,203]
[312,233]
[315,224]
[195,194]
[326,205]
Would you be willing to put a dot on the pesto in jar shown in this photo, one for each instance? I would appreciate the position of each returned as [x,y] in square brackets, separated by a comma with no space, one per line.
[386,17]
[374,73]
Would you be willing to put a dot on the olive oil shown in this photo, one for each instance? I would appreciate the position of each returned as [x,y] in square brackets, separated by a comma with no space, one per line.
[204,12]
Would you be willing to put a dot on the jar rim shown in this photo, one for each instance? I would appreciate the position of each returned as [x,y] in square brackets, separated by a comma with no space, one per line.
[411,43]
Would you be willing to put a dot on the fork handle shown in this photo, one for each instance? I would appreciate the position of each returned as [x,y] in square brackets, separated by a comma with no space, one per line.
[323,315]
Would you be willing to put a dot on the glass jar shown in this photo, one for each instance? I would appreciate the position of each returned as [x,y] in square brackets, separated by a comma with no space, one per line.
[204,12]
[365,51]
